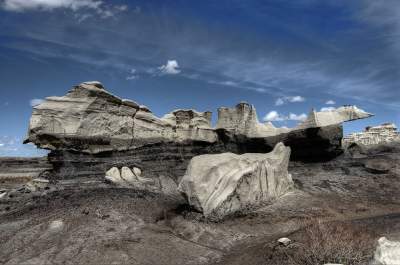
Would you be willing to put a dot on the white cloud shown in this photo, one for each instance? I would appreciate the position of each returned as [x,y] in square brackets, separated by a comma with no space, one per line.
[296,99]
[170,68]
[1,144]
[132,74]
[327,108]
[36,101]
[275,116]
[292,99]
[330,102]
[299,117]
[102,9]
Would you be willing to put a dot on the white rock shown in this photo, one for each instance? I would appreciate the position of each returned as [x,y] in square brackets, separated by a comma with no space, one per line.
[3,195]
[284,241]
[114,176]
[56,225]
[221,184]
[137,171]
[387,252]
[127,175]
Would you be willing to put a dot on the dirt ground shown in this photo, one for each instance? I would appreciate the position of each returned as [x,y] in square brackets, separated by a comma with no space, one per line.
[96,223]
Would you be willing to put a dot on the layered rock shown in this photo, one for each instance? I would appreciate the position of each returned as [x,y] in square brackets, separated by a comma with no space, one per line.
[222,184]
[89,119]
[89,131]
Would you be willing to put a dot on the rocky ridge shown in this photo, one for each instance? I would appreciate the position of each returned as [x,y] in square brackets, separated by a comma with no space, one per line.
[89,131]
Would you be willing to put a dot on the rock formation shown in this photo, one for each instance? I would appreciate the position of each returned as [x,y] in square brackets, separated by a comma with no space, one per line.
[221,184]
[387,252]
[127,177]
[336,116]
[91,120]
[373,135]
[89,131]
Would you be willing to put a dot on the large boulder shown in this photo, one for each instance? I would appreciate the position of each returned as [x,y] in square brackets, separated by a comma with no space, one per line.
[222,184]
[387,252]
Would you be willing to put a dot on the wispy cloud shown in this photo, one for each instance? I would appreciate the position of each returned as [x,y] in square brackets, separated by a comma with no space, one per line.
[292,99]
[330,102]
[102,9]
[132,75]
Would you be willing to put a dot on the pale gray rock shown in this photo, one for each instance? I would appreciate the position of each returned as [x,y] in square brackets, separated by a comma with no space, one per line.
[335,116]
[242,119]
[3,195]
[284,241]
[128,178]
[113,175]
[137,171]
[387,252]
[37,184]
[221,184]
[90,119]
[128,175]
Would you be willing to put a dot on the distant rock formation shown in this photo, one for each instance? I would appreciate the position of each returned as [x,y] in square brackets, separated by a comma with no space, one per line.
[89,131]
[385,133]
[221,184]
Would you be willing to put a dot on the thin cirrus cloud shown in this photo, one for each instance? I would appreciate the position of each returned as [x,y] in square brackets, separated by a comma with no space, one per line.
[283,100]
[276,116]
[132,74]
[103,10]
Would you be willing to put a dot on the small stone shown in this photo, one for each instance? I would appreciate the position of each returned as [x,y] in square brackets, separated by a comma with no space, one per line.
[137,171]
[56,225]
[284,241]
[127,175]
[114,176]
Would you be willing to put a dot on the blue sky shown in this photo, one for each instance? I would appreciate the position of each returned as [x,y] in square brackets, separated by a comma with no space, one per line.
[285,57]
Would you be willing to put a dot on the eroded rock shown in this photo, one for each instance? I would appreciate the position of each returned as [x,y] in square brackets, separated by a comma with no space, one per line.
[387,252]
[221,184]
[89,130]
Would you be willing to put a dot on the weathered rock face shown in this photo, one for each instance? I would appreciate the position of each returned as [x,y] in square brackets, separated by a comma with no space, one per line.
[222,184]
[90,131]
[336,116]
[387,252]
[91,120]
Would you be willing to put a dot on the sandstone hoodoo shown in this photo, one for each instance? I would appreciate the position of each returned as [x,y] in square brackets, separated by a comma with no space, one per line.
[222,184]
[89,131]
